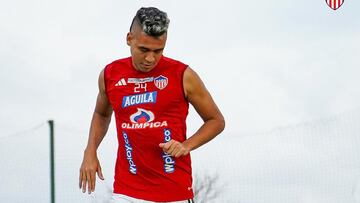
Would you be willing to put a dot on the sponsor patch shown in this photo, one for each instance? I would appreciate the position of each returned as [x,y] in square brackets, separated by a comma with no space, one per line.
[169,162]
[129,157]
[140,80]
[148,97]
[143,119]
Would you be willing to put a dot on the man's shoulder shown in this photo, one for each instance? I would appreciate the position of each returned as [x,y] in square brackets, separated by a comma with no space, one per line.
[122,61]
[172,61]
[117,66]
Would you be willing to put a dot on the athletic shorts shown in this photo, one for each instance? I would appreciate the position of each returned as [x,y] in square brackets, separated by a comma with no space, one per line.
[119,198]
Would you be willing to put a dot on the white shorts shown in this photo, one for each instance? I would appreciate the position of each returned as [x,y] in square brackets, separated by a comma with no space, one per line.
[120,198]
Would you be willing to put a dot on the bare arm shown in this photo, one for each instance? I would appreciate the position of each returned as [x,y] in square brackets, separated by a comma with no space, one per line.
[214,123]
[98,128]
[200,98]
[101,117]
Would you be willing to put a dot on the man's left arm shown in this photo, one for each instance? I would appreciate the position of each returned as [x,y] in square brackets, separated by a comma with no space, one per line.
[214,123]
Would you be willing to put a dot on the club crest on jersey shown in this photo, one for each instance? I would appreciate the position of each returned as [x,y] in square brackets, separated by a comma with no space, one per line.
[148,97]
[161,82]
[143,119]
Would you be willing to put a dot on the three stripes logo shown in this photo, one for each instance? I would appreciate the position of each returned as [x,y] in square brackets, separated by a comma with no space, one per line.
[121,82]
[334,4]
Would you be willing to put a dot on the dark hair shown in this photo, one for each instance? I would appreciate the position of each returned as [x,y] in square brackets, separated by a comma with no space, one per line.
[152,21]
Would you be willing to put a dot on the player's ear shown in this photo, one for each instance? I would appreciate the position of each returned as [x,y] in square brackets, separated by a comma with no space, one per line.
[129,38]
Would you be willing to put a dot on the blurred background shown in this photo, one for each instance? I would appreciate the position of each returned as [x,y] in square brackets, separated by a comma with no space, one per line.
[285,75]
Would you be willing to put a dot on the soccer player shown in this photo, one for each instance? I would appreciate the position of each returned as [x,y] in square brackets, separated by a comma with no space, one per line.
[150,95]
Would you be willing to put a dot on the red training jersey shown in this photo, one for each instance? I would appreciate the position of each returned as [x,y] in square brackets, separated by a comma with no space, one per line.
[150,108]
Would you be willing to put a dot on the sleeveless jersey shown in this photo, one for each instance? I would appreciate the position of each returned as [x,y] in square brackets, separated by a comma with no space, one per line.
[150,108]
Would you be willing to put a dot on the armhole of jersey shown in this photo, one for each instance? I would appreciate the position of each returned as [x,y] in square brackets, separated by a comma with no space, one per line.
[105,81]
[182,82]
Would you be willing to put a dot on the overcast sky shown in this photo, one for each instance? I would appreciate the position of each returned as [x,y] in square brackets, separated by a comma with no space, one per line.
[267,64]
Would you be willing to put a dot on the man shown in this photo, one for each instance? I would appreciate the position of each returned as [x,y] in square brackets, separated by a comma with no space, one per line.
[149,94]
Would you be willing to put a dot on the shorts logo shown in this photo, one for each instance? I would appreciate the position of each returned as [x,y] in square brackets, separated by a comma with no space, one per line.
[148,97]
[161,82]
[143,119]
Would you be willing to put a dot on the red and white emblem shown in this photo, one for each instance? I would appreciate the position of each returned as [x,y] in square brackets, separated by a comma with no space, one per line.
[334,4]
[161,82]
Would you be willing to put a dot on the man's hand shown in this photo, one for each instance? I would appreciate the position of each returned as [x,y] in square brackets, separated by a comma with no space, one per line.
[89,167]
[175,148]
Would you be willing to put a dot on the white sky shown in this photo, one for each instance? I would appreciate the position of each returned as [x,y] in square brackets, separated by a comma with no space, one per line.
[267,64]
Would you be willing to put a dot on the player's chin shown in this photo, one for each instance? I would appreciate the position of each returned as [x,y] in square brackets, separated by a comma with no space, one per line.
[146,68]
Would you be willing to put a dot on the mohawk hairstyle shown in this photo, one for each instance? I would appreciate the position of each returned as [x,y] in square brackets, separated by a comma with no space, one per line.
[152,21]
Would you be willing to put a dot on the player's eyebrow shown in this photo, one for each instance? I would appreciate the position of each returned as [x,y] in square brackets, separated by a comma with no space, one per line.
[147,49]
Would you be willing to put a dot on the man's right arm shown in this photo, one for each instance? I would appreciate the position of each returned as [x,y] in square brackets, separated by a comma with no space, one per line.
[98,128]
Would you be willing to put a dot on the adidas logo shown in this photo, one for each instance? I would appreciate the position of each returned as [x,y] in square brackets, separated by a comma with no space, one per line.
[121,82]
